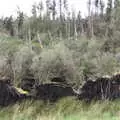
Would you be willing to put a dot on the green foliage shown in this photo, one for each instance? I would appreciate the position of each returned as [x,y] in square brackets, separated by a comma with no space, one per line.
[76,60]
[55,61]
[22,61]
[9,25]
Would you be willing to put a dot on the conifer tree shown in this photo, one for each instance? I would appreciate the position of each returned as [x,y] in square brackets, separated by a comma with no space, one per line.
[96,6]
[48,4]
[40,8]
[20,20]
[109,11]
[60,7]
[53,9]
[34,10]
[102,6]
[8,22]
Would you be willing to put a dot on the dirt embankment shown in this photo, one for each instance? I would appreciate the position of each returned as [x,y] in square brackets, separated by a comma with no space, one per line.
[101,89]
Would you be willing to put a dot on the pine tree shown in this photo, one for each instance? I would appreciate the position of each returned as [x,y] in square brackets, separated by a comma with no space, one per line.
[116,3]
[60,7]
[73,23]
[34,10]
[20,20]
[48,5]
[79,23]
[53,9]
[109,11]
[96,6]
[8,23]
[102,6]
[90,22]
[40,8]
[65,7]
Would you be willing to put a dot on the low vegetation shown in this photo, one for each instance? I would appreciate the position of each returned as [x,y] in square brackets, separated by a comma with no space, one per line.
[65,109]
[76,60]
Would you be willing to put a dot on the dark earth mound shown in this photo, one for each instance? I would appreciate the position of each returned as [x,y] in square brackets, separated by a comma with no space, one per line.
[58,88]
[53,92]
[8,93]
[59,80]
[101,89]
[27,83]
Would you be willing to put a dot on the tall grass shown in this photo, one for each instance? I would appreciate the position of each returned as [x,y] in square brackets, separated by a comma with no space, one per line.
[65,109]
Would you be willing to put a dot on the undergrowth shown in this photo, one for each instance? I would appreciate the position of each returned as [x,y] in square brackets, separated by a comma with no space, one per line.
[65,109]
[76,60]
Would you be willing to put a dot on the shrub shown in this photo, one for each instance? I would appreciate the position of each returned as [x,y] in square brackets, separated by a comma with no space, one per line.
[56,61]
[22,61]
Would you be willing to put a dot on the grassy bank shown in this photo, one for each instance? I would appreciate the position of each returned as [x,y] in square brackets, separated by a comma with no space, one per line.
[65,109]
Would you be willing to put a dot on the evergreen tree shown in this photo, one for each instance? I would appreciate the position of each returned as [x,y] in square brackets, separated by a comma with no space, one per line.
[65,3]
[8,23]
[96,6]
[48,5]
[34,10]
[53,9]
[90,27]
[20,20]
[116,3]
[65,7]
[109,11]
[79,23]
[40,8]
[60,7]
[102,6]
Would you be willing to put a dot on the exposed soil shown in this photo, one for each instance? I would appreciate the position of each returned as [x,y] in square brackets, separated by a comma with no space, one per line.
[101,89]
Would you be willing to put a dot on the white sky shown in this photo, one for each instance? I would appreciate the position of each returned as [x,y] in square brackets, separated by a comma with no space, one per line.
[8,7]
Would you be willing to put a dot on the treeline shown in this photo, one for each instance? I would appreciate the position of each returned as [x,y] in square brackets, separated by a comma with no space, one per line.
[54,18]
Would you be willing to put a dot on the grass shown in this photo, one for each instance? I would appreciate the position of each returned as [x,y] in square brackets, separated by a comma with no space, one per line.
[65,109]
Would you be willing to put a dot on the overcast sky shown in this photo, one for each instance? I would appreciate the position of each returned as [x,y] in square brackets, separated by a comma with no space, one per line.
[8,7]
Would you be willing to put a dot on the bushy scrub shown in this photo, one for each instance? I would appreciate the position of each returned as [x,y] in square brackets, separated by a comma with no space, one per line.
[3,63]
[8,48]
[54,62]
[23,60]
[91,60]
[76,60]
[107,64]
